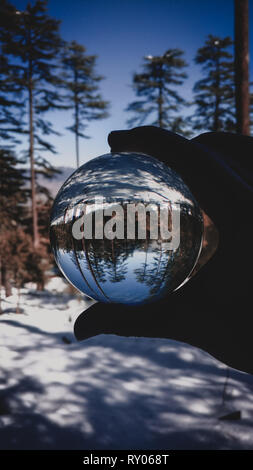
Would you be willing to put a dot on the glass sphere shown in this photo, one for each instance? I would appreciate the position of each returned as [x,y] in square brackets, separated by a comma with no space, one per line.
[125,228]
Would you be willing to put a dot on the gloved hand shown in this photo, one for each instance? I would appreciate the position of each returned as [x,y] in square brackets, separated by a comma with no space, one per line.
[213,309]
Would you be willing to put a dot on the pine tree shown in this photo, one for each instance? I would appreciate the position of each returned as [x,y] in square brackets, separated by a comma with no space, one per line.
[242,96]
[156,86]
[32,48]
[81,81]
[13,191]
[215,93]
[9,90]
[19,262]
[13,199]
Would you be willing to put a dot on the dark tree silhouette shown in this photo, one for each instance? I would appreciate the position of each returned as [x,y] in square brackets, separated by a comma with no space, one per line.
[30,42]
[156,87]
[215,92]
[241,15]
[13,197]
[10,119]
[81,82]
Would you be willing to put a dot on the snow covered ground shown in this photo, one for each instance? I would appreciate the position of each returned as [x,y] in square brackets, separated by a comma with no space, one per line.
[110,392]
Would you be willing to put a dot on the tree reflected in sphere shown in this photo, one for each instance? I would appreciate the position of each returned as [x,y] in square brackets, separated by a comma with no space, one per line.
[97,251]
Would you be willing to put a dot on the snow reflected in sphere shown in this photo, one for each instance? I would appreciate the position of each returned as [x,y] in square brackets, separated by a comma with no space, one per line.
[113,252]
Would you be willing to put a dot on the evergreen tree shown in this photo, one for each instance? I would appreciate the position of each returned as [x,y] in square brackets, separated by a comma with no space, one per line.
[13,198]
[31,46]
[9,89]
[251,108]
[19,262]
[81,81]
[241,51]
[156,86]
[215,92]
[13,190]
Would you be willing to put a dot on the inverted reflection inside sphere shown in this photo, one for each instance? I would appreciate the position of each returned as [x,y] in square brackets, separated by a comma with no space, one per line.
[125,228]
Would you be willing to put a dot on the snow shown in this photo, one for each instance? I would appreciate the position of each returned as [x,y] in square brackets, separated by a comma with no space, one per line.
[110,392]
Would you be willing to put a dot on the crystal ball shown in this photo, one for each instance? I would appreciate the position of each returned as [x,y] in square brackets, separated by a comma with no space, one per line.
[125,228]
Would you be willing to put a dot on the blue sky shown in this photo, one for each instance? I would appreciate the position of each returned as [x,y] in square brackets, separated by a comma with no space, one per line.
[121,33]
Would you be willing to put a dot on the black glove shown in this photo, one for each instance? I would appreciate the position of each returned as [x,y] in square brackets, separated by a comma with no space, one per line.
[213,309]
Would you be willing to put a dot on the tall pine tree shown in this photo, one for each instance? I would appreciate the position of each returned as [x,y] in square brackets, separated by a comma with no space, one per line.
[83,98]
[31,46]
[156,87]
[13,199]
[215,92]
[10,121]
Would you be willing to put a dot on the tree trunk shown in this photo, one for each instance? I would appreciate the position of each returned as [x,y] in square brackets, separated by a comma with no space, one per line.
[18,301]
[77,136]
[6,281]
[76,122]
[40,286]
[216,123]
[77,151]
[160,106]
[0,286]
[159,70]
[242,66]
[31,154]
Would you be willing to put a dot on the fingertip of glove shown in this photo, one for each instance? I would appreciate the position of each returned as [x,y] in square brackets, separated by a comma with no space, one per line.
[124,139]
[116,139]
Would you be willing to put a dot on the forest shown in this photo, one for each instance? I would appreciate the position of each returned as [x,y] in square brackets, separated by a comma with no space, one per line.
[125,381]
[41,72]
